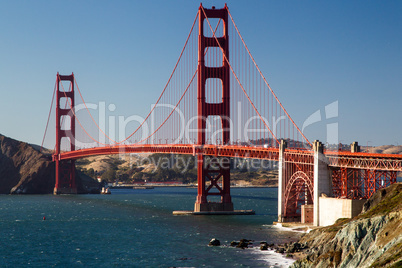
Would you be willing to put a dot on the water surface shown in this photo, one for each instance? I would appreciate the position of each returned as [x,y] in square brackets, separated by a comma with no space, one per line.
[135,228]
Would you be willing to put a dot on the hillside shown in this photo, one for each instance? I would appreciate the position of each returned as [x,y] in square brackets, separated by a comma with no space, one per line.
[384,149]
[372,239]
[25,170]
[181,168]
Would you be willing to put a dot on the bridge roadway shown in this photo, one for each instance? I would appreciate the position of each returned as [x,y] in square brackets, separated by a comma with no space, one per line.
[385,162]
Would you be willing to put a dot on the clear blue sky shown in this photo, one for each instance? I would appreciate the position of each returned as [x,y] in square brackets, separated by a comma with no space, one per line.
[312,53]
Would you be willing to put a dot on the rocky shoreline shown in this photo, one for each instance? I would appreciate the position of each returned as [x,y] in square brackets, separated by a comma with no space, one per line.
[287,248]
[372,239]
[284,254]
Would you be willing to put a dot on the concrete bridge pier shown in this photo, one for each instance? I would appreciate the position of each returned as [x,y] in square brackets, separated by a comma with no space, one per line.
[281,180]
[355,147]
[322,179]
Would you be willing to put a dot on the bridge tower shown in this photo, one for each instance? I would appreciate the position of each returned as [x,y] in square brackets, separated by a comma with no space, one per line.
[65,129]
[211,172]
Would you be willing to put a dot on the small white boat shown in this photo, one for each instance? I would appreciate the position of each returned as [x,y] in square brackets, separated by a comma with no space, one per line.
[105,190]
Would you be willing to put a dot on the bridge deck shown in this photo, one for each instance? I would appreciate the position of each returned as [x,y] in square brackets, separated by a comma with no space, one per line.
[386,162]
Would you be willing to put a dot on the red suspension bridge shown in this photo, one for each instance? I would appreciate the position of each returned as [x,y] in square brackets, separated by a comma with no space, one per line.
[217,105]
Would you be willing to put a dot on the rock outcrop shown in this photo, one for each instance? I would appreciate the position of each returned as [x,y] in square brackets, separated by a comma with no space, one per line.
[25,170]
[372,239]
[214,242]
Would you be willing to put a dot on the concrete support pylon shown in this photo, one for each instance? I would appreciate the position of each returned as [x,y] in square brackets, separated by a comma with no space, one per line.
[322,181]
[281,180]
[355,147]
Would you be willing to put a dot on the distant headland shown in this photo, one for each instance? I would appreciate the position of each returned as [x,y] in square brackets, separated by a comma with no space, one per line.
[25,170]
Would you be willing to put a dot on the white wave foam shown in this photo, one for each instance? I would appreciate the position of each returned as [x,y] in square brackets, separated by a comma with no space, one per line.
[297,229]
[273,259]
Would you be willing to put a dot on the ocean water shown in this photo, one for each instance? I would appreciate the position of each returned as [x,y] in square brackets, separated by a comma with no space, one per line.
[136,228]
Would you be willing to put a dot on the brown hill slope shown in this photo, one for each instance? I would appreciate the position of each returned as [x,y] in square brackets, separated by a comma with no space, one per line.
[180,168]
[386,149]
[24,170]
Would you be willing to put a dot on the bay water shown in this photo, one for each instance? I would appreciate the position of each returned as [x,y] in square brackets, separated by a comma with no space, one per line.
[136,228]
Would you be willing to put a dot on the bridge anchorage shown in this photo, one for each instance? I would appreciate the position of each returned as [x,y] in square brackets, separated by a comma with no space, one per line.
[237,115]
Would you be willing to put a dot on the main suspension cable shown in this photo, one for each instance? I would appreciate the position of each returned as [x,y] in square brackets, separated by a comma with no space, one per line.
[263,77]
[48,118]
[160,96]
[231,68]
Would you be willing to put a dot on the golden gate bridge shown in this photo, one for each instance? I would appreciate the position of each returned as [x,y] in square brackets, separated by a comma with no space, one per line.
[217,105]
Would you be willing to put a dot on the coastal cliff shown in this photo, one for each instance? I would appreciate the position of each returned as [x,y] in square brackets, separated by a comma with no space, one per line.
[372,239]
[25,170]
